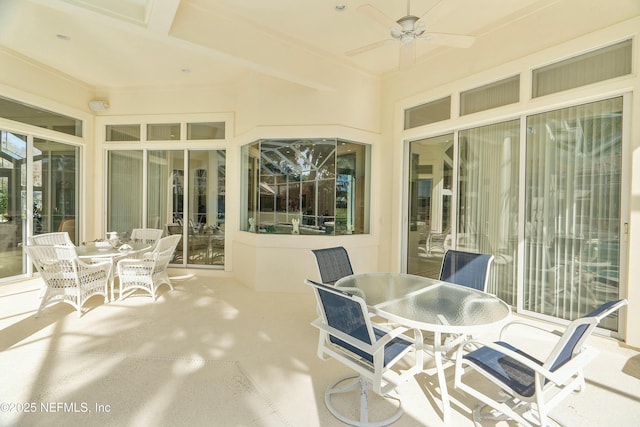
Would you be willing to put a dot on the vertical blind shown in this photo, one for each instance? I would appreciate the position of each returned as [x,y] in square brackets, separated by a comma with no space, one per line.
[488,199]
[572,240]
[124,203]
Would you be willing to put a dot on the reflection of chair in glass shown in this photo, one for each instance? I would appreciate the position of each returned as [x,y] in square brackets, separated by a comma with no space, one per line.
[436,244]
[150,271]
[348,336]
[333,264]
[533,385]
[69,226]
[175,229]
[7,236]
[66,277]
[466,269]
[201,244]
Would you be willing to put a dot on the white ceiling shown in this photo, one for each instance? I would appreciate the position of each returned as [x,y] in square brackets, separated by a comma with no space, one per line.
[136,43]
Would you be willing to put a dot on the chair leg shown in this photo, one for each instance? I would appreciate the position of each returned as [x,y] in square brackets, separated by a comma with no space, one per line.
[358,383]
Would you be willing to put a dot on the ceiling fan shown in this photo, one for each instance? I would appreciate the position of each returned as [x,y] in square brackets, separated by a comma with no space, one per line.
[409,29]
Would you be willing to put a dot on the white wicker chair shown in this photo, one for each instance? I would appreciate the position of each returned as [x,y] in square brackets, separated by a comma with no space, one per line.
[48,239]
[66,277]
[150,271]
[146,235]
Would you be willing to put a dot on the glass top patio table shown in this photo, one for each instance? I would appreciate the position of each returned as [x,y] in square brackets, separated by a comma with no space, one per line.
[427,304]
[92,251]
[430,305]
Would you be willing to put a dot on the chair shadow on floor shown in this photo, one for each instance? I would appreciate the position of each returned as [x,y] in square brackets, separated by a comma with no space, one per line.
[632,367]
[429,385]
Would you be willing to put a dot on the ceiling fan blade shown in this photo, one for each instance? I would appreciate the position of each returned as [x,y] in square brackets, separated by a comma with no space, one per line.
[444,39]
[437,12]
[407,54]
[368,47]
[377,15]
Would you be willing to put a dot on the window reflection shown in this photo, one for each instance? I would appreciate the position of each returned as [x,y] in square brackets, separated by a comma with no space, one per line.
[307,186]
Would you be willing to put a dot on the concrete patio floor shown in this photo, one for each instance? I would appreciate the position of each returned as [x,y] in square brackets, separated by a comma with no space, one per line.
[214,353]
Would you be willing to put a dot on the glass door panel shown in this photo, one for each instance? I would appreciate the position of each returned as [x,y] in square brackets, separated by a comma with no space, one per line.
[430,201]
[488,194]
[13,166]
[55,188]
[205,235]
[572,210]
[124,197]
[165,195]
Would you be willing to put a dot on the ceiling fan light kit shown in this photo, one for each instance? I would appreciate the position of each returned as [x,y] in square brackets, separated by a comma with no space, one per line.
[408,29]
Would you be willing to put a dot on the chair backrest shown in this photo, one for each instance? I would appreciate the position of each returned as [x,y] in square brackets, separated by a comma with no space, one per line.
[164,251]
[49,239]
[146,235]
[55,262]
[346,313]
[466,269]
[577,332]
[333,264]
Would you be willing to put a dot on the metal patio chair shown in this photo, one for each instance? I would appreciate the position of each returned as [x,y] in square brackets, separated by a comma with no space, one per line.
[466,269]
[348,336]
[333,264]
[529,387]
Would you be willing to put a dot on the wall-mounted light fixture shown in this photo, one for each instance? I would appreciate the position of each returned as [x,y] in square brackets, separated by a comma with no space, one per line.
[98,105]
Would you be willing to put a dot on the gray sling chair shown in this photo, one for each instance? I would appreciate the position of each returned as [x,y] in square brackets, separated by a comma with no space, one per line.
[465,269]
[348,335]
[533,386]
[333,264]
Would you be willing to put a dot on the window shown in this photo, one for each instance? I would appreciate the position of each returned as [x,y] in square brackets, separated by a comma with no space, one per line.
[306,186]
[119,133]
[163,132]
[489,96]
[210,130]
[599,65]
[23,113]
[196,131]
[428,113]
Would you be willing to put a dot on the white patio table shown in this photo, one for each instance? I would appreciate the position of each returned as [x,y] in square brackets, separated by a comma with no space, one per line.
[91,251]
[430,305]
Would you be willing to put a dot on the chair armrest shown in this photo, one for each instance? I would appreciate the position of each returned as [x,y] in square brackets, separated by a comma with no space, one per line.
[85,268]
[353,291]
[368,348]
[559,376]
[550,331]
[379,345]
[395,333]
[136,263]
[94,262]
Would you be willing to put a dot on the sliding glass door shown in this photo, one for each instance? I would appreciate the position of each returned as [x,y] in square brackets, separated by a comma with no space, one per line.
[572,209]
[554,229]
[47,202]
[487,213]
[13,217]
[430,204]
[182,192]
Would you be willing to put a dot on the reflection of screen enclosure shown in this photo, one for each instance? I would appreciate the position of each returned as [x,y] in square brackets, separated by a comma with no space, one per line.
[322,183]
